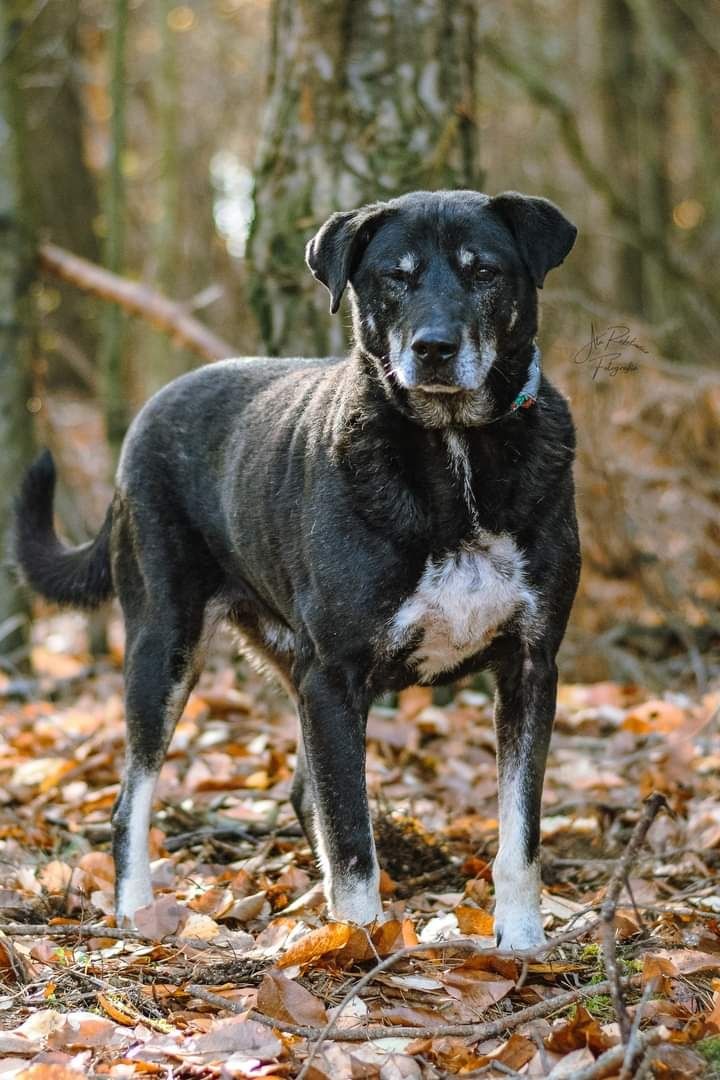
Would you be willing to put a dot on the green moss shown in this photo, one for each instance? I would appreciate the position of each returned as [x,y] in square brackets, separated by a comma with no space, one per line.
[600,1006]
[710,1050]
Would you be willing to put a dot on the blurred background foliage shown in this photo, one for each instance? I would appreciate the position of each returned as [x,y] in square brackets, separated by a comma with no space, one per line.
[193,149]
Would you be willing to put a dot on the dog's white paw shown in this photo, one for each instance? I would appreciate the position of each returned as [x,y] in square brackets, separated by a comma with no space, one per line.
[355,901]
[135,895]
[519,929]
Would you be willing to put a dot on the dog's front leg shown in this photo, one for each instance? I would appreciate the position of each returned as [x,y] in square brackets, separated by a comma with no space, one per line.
[524,713]
[333,717]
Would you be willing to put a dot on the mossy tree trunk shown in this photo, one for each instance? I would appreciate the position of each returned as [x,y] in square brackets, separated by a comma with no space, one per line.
[17,253]
[366,101]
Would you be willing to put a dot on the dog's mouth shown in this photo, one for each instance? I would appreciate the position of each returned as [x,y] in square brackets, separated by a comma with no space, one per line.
[438,388]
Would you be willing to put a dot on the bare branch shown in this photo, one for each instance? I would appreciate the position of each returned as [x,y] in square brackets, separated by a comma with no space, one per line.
[138,299]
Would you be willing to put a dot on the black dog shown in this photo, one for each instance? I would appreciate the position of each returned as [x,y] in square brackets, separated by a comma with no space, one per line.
[402,515]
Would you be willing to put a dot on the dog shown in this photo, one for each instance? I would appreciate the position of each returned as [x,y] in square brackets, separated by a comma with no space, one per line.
[401,515]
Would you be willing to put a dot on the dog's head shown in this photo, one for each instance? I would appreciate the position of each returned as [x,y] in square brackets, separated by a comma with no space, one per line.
[443,287]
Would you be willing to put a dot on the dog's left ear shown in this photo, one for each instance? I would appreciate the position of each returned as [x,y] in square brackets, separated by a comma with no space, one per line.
[336,248]
[542,232]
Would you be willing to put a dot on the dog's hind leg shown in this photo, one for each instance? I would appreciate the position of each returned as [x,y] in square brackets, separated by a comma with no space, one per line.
[333,715]
[162,665]
[167,628]
[524,713]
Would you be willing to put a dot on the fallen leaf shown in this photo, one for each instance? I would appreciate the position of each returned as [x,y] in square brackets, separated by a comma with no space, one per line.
[654,716]
[317,943]
[581,1030]
[474,921]
[284,999]
[160,918]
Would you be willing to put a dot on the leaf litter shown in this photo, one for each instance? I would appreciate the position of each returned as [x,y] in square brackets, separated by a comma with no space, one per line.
[235,971]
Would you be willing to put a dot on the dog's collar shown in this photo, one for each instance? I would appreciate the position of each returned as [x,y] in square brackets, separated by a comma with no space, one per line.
[529,393]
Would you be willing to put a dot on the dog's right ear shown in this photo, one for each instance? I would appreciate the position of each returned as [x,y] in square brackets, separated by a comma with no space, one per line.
[337,246]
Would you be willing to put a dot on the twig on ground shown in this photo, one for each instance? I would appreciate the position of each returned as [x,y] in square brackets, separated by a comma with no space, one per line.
[608,1063]
[69,930]
[92,930]
[208,832]
[652,806]
[633,1048]
[485,1029]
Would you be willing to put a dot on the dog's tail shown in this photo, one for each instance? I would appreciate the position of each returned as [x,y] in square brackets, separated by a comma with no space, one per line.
[77,576]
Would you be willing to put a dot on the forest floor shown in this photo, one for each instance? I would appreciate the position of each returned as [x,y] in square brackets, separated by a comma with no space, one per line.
[234,970]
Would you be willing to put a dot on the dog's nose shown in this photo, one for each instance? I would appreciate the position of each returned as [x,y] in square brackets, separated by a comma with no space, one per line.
[435,346]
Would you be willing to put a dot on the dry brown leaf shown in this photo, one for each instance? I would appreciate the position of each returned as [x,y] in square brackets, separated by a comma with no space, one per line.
[237,1034]
[516,1052]
[476,989]
[199,927]
[161,918]
[284,999]
[56,877]
[580,1031]
[684,961]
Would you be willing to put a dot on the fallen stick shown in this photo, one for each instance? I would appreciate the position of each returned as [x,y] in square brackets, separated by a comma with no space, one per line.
[482,1030]
[653,804]
[69,930]
[207,832]
[634,1048]
[116,933]
[607,1064]
[133,296]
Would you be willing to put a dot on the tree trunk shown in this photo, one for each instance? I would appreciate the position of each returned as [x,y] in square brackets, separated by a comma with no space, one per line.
[17,251]
[166,359]
[113,380]
[619,78]
[64,197]
[366,101]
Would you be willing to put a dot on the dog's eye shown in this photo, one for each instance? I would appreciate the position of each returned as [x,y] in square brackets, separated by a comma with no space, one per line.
[486,274]
[396,273]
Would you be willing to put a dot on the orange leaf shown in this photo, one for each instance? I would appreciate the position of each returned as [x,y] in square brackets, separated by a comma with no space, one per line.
[474,921]
[390,936]
[47,1071]
[99,867]
[118,1010]
[655,966]
[318,942]
[413,700]
[654,716]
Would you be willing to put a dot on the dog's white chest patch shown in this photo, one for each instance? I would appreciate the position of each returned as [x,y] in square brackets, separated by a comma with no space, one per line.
[461,601]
